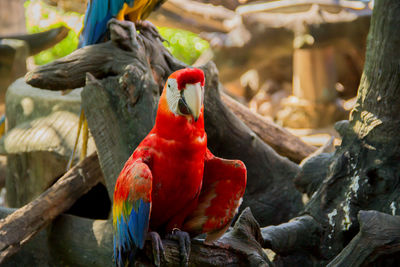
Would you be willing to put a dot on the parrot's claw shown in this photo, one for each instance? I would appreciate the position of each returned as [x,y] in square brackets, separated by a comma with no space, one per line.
[183,239]
[158,248]
[145,24]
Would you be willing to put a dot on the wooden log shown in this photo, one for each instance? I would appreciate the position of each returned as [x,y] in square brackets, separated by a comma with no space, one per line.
[24,223]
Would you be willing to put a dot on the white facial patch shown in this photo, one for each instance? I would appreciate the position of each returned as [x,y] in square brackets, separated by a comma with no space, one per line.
[173,95]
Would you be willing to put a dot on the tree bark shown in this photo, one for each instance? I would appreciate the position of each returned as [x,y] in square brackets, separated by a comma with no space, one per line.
[19,227]
[363,172]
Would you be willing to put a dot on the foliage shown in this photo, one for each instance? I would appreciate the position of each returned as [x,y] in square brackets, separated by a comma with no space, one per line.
[184,45]
[41,17]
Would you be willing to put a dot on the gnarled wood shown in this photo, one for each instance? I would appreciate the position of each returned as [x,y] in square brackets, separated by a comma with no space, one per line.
[379,235]
[77,241]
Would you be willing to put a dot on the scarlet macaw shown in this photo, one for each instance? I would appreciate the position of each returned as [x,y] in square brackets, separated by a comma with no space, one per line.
[172,181]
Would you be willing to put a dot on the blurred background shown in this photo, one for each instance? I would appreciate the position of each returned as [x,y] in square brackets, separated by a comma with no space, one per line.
[297,63]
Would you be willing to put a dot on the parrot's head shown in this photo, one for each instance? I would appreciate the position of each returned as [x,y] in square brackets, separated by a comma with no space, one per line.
[185,92]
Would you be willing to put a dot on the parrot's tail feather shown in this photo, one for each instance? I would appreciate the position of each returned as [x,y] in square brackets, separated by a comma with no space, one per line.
[124,258]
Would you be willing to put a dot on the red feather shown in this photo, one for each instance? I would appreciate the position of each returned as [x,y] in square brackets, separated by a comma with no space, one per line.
[192,76]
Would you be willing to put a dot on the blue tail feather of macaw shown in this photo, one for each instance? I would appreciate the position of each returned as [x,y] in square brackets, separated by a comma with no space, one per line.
[98,13]
[130,232]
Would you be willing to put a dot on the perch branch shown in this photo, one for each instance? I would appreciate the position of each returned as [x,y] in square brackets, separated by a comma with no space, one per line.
[77,241]
[24,223]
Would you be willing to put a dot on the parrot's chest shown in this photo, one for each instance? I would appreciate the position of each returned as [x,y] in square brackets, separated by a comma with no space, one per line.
[177,179]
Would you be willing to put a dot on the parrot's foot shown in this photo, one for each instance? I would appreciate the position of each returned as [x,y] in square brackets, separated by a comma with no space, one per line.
[145,24]
[183,239]
[158,247]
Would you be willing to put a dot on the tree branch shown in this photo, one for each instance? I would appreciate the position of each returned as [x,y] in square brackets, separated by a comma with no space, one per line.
[77,241]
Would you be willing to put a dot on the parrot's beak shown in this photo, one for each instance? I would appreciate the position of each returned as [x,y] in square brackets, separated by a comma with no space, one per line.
[193,97]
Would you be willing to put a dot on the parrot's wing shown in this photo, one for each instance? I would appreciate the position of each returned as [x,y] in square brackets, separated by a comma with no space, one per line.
[131,209]
[98,13]
[223,187]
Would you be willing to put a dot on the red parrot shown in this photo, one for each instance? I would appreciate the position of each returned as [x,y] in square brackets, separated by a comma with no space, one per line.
[172,183]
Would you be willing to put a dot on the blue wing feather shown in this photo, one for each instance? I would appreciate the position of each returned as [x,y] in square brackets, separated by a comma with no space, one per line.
[131,231]
[98,13]
[131,210]
[139,223]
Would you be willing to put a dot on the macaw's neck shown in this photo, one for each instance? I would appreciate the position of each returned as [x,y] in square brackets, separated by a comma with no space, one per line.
[175,127]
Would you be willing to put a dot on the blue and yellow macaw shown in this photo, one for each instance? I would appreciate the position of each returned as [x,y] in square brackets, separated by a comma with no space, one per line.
[99,12]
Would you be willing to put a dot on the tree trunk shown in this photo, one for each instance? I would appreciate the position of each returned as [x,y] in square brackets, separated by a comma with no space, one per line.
[364,172]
